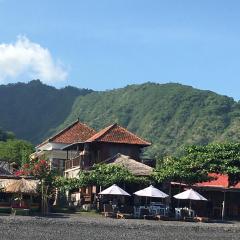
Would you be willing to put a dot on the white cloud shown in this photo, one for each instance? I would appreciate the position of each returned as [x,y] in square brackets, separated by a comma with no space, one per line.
[26,58]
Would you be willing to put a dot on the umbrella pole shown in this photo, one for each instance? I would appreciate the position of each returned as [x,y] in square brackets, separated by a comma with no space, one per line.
[190,204]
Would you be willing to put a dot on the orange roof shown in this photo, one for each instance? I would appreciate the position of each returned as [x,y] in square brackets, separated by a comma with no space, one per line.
[76,132]
[117,134]
[219,181]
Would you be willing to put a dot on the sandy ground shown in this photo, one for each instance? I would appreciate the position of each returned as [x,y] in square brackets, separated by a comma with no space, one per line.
[91,227]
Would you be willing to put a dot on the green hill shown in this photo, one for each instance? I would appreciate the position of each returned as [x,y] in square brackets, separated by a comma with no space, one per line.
[169,115]
[33,110]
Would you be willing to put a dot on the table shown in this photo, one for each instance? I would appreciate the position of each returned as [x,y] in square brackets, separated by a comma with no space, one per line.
[139,210]
[184,212]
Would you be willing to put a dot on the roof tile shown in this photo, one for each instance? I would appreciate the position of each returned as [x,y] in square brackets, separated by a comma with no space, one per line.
[219,181]
[76,132]
[117,134]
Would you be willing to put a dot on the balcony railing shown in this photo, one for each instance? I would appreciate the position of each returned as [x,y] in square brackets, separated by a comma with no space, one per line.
[72,163]
[78,161]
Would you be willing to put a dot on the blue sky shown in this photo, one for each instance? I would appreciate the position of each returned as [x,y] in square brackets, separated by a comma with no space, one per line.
[108,44]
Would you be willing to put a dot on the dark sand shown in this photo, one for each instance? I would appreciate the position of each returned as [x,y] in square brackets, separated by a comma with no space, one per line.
[85,227]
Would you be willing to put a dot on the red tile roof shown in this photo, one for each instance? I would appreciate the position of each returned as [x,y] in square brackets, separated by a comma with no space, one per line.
[117,134]
[219,181]
[76,132]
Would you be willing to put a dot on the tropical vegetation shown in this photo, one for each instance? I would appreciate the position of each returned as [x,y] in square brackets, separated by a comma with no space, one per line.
[103,175]
[198,161]
[33,111]
[40,169]
[14,150]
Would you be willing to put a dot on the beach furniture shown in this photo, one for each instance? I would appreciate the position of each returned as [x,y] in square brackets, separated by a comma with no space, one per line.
[187,213]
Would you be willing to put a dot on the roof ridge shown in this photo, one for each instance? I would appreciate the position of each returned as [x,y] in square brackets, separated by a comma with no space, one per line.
[62,131]
[65,129]
[117,155]
[104,130]
[133,134]
[102,133]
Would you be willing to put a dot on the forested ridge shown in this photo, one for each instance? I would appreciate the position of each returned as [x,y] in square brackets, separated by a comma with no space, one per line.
[169,115]
[34,110]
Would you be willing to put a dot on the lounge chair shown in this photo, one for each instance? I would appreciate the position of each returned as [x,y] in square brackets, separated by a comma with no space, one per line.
[162,217]
[124,215]
[202,219]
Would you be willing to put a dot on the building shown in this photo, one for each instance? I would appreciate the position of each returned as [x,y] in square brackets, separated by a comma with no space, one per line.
[111,144]
[223,200]
[52,148]
[7,178]
[103,145]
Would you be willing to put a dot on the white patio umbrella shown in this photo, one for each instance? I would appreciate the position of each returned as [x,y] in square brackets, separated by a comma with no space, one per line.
[151,192]
[114,190]
[191,195]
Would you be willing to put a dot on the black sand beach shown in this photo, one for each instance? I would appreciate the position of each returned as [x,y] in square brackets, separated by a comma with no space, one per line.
[84,227]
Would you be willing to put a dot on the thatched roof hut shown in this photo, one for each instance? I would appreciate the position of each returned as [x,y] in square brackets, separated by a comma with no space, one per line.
[20,186]
[133,166]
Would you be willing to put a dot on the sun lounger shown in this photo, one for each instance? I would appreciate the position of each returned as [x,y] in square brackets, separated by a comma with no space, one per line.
[149,217]
[109,214]
[189,219]
[124,215]
[161,217]
[202,219]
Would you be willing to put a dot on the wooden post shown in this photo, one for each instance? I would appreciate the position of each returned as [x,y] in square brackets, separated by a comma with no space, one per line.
[179,190]
[223,205]
[170,193]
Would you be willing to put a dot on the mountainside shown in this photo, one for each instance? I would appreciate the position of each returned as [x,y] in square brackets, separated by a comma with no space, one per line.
[169,115]
[32,111]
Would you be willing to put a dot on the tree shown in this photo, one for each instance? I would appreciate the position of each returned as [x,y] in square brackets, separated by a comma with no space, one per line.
[184,169]
[40,169]
[17,151]
[223,158]
[198,161]
[100,175]
[4,136]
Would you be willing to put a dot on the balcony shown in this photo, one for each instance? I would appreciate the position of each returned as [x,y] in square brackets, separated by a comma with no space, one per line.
[79,161]
[72,163]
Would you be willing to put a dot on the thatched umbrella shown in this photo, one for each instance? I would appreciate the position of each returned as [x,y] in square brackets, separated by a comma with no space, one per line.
[22,186]
[133,166]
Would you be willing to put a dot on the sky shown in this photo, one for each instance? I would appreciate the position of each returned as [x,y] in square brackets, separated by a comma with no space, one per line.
[106,44]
